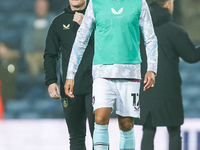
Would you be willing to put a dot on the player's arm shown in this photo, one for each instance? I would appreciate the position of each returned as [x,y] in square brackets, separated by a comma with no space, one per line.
[183,46]
[150,40]
[81,41]
[50,62]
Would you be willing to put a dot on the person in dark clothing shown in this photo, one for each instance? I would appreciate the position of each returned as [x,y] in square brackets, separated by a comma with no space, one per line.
[59,43]
[162,105]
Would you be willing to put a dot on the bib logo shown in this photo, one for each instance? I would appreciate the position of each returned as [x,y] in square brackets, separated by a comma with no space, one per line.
[115,12]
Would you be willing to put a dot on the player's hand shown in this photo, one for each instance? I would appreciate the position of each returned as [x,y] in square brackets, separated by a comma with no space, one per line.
[149,80]
[69,85]
[54,91]
[78,18]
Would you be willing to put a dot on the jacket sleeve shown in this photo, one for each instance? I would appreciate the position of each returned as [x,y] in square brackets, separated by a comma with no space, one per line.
[51,55]
[81,41]
[183,45]
[149,36]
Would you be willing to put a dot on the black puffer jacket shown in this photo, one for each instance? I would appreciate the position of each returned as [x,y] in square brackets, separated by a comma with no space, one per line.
[164,101]
[59,43]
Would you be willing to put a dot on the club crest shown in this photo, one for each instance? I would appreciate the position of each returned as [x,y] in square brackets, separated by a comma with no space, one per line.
[65,102]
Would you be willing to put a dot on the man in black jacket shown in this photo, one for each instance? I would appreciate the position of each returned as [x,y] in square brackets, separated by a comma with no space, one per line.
[59,43]
[162,105]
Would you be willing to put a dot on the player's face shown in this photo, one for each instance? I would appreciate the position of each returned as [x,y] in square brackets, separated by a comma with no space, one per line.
[77,4]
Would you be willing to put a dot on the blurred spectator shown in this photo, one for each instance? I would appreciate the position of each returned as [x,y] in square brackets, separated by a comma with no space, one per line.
[8,65]
[33,41]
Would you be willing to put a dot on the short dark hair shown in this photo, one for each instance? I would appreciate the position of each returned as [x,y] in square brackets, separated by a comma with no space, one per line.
[160,2]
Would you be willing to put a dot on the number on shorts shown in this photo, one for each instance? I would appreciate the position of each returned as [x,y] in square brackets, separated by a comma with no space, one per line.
[135,95]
